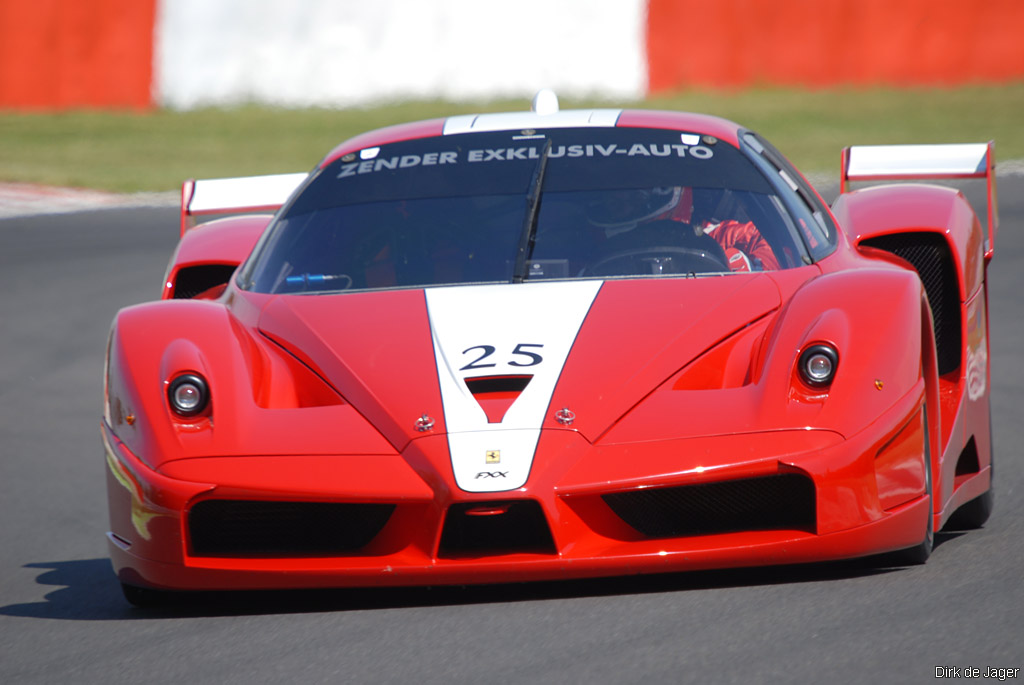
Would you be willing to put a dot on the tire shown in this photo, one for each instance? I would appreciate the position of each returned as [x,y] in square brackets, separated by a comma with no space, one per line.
[144,597]
[974,514]
[918,554]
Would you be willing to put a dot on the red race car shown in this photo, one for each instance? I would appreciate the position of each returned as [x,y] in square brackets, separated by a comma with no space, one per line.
[552,344]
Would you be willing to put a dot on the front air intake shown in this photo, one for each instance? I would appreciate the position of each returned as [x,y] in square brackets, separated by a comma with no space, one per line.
[257,529]
[491,528]
[777,502]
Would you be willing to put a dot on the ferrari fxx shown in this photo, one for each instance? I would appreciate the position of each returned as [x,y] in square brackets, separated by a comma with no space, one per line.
[553,344]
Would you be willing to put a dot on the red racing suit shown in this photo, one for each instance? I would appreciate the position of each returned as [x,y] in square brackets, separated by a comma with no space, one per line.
[743,244]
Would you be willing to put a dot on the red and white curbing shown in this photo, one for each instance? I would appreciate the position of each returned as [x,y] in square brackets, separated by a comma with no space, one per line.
[28,199]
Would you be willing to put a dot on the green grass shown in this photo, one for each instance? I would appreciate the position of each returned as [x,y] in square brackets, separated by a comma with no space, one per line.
[157,150]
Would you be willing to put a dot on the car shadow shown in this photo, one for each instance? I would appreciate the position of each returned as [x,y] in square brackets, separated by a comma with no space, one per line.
[86,590]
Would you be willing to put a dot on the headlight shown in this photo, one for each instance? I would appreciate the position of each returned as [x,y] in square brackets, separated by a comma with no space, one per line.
[818,364]
[188,394]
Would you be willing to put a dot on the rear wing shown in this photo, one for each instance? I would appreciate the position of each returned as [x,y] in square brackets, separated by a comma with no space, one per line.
[920,162]
[218,196]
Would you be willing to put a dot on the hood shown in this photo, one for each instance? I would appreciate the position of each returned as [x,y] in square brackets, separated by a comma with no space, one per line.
[492,365]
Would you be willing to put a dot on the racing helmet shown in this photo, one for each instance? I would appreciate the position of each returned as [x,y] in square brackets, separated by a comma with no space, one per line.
[625,208]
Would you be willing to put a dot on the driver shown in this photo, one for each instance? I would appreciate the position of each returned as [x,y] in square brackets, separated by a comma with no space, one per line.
[744,246]
[620,211]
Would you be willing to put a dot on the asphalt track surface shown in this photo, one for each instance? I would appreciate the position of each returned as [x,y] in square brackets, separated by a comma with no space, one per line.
[63,620]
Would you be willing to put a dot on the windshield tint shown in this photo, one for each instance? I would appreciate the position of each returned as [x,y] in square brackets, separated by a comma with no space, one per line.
[569,203]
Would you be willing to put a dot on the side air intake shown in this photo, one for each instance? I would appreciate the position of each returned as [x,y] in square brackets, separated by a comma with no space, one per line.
[930,256]
[777,502]
[195,280]
[256,529]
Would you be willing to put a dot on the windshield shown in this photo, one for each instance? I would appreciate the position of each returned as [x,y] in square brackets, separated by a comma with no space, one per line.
[556,204]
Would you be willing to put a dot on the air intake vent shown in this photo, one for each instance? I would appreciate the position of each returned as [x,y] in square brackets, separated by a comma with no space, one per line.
[779,502]
[240,528]
[195,280]
[495,394]
[491,528]
[929,254]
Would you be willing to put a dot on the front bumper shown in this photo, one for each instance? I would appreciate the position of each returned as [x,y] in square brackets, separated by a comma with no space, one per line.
[867,496]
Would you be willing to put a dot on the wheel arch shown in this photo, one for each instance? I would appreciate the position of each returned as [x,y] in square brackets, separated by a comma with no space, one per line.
[208,255]
[933,410]
[933,230]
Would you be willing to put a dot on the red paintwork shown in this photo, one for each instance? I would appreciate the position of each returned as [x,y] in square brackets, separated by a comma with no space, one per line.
[224,241]
[391,134]
[991,201]
[684,121]
[924,208]
[314,399]
[914,207]
[188,189]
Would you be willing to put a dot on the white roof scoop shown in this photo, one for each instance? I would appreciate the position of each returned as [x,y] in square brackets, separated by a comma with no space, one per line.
[544,113]
[545,102]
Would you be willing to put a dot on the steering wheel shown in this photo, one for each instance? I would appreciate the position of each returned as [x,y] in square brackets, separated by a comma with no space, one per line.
[659,259]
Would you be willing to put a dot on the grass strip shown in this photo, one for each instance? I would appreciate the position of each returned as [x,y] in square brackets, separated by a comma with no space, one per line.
[155,151]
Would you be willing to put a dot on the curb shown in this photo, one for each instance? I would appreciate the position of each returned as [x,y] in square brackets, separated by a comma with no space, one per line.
[28,199]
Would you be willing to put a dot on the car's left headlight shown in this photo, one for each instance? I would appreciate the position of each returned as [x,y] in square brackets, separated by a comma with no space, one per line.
[818,365]
[188,394]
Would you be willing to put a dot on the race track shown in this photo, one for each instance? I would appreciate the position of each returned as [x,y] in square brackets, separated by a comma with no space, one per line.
[63,620]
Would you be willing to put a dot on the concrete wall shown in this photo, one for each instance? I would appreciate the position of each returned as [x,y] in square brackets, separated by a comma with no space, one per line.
[350,52]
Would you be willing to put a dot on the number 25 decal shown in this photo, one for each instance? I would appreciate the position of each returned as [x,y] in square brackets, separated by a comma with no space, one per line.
[524,356]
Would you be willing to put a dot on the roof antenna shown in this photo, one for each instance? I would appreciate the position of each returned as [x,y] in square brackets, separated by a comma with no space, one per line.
[545,102]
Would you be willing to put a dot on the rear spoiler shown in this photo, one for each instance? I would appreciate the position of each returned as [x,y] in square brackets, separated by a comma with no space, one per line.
[920,162]
[216,196]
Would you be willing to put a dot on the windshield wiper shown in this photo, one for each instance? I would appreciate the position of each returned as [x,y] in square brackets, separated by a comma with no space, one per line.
[528,237]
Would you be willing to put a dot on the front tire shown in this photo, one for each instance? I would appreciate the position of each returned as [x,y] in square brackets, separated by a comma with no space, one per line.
[144,597]
[918,554]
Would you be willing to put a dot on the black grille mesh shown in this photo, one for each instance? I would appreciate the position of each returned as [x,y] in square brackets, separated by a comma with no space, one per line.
[193,280]
[243,528]
[929,254]
[778,502]
[521,528]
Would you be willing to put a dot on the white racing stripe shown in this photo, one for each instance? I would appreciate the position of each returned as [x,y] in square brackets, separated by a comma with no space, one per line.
[502,330]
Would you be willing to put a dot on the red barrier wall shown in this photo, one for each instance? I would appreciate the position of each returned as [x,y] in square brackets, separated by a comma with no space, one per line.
[57,54]
[737,43]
